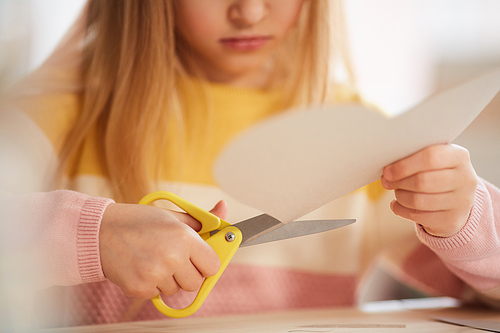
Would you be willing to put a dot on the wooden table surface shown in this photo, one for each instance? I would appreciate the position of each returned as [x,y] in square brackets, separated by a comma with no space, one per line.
[307,321]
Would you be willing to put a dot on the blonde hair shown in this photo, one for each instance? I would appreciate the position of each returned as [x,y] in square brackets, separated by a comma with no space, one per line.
[131,69]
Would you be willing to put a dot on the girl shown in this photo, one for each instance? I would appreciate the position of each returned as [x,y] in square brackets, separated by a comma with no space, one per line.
[143,95]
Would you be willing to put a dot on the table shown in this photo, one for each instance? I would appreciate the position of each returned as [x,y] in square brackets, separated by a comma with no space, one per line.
[307,321]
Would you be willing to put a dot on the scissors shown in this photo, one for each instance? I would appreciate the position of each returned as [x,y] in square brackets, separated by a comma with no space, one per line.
[226,238]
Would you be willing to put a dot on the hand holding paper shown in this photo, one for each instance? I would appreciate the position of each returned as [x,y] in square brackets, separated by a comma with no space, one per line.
[434,187]
[299,161]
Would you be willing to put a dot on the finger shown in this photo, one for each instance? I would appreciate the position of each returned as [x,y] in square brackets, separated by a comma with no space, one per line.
[430,158]
[424,201]
[205,259]
[169,286]
[436,181]
[441,223]
[220,209]
[188,220]
[188,278]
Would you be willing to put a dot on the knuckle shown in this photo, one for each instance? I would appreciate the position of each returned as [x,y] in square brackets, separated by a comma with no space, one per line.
[173,260]
[409,200]
[417,201]
[423,182]
[177,229]
[184,233]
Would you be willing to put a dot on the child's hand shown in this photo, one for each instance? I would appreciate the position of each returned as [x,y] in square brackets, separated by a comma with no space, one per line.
[145,250]
[434,187]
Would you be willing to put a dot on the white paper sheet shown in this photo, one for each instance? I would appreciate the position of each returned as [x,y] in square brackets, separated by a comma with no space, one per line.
[299,161]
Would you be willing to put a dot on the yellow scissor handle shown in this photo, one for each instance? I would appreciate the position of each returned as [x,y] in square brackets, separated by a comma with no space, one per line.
[224,243]
[208,220]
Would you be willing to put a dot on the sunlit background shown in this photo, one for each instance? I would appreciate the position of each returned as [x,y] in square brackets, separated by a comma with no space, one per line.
[403,51]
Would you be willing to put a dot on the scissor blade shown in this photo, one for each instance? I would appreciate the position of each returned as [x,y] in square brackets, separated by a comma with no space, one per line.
[256,227]
[265,228]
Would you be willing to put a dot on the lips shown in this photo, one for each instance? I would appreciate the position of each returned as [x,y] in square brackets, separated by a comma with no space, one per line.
[250,43]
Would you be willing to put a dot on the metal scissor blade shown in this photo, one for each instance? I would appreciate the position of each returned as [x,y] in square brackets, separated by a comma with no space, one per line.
[265,228]
[256,227]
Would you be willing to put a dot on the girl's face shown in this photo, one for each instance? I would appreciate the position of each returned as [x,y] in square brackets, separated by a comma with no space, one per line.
[232,40]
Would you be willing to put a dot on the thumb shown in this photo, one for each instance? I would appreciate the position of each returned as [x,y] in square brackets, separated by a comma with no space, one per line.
[220,210]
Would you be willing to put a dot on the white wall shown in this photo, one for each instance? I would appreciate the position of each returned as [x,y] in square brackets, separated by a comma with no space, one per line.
[51,19]
[398,45]
[29,30]
[461,30]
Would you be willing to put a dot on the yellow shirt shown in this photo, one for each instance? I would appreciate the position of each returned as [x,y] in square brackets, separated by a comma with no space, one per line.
[193,152]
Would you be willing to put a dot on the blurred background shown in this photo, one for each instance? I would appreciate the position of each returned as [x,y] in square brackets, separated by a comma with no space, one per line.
[403,51]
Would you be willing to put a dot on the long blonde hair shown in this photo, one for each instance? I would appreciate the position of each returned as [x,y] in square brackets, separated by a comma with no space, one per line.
[130,72]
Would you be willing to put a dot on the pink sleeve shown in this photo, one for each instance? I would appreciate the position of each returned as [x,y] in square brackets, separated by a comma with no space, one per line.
[57,234]
[473,254]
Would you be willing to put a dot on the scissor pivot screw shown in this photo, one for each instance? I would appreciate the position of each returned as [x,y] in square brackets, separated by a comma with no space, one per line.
[230,237]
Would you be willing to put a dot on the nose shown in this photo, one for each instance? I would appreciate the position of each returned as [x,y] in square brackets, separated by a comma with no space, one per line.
[245,13]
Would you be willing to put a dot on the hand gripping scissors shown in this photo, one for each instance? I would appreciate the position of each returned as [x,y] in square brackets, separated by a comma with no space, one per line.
[226,238]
